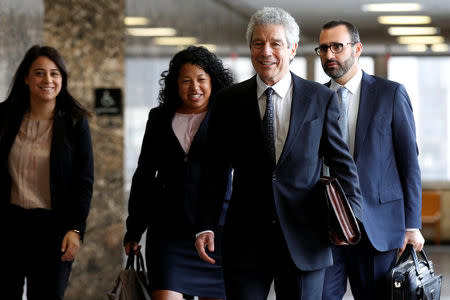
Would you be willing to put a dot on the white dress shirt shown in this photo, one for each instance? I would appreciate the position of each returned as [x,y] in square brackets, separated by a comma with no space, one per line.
[354,88]
[282,101]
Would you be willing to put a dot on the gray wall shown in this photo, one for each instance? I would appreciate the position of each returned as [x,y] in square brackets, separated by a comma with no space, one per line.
[21,23]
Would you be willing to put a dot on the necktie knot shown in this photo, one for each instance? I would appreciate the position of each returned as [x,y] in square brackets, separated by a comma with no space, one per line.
[269,92]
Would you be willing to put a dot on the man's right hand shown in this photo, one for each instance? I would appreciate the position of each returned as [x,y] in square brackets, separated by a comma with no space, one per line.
[206,239]
[131,246]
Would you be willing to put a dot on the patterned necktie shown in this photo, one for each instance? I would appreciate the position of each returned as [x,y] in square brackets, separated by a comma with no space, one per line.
[269,136]
[343,108]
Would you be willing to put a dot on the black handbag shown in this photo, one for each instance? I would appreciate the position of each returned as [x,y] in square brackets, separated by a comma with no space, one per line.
[413,278]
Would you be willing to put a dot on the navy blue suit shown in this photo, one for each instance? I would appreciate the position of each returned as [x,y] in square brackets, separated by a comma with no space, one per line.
[386,158]
[274,208]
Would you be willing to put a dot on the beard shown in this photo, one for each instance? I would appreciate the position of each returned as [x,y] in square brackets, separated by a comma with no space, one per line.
[341,69]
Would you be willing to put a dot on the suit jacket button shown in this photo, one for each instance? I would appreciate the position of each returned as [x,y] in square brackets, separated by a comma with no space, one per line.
[274,177]
[186,158]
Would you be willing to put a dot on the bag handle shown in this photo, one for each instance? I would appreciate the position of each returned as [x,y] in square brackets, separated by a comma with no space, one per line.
[130,261]
[409,251]
[135,264]
[140,262]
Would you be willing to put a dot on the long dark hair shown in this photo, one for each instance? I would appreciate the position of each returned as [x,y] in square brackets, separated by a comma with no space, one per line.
[200,56]
[19,93]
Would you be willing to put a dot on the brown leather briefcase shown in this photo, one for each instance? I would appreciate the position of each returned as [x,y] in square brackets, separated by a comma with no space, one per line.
[343,229]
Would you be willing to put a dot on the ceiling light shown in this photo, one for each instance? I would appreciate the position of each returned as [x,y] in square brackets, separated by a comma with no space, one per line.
[377,7]
[417,48]
[136,21]
[175,41]
[412,30]
[439,48]
[431,39]
[153,31]
[404,20]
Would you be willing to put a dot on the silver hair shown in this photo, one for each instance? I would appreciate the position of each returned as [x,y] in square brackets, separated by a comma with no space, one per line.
[274,15]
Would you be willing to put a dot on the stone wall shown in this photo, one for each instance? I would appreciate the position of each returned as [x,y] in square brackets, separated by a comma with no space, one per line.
[90,36]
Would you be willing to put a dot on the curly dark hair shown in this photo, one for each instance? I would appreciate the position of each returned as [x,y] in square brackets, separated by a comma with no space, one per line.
[200,56]
[19,92]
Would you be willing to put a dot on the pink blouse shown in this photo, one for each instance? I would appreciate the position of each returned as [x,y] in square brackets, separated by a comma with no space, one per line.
[185,127]
[29,164]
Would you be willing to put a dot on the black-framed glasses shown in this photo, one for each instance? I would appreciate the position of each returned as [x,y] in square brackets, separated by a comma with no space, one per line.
[334,47]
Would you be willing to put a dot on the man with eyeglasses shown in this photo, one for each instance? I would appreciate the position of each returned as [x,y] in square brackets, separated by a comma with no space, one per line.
[378,124]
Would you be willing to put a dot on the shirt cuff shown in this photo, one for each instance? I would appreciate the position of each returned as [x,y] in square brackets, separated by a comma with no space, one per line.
[196,235]
[412,229]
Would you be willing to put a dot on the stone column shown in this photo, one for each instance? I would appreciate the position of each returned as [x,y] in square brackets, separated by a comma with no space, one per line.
[91,37]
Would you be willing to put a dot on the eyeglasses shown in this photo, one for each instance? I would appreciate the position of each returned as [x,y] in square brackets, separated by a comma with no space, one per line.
[334,47]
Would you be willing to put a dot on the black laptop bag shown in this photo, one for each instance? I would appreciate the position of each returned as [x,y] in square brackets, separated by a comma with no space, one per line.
[413,278]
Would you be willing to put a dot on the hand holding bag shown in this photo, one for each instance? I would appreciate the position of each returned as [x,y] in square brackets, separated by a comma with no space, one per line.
[413,278]
[343,228]
[131,284]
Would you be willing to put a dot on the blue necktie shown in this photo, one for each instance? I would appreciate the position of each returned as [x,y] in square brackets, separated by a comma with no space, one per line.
[343,109]
[269,136]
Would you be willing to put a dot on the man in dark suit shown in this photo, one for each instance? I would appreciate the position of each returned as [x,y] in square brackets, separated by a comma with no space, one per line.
[380,133]
[274,130]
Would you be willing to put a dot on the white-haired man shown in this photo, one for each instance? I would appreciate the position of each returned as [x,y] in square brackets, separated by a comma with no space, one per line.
[274,130]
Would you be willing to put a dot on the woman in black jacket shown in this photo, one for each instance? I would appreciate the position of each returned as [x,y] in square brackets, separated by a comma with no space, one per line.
[46,177]
[166,184]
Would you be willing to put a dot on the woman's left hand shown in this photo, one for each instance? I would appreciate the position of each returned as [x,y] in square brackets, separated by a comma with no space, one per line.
[70,245]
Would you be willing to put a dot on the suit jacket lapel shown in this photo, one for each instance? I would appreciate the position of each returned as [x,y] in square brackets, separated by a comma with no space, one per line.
[249,100]
[169,135]
[301,102]
[8,137]
[199,137]
[249,93]
[57,152]
[367,103]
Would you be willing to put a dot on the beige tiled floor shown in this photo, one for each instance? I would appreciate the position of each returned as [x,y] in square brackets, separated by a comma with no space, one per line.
[440,255]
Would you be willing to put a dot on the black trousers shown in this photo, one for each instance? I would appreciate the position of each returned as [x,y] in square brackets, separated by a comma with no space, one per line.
[33,251]
[363,266]
[253,265]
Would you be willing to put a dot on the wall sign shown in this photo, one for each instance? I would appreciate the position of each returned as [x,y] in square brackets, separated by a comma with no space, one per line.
[108,101]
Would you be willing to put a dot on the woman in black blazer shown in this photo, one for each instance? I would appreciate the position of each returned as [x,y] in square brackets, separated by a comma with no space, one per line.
[46,177]
[166,184]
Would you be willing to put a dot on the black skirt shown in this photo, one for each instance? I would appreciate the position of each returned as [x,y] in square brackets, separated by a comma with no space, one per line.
[173,264]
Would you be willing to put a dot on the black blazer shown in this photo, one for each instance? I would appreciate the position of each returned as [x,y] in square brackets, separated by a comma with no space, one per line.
[259,189]
[71,166]
[165,186]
